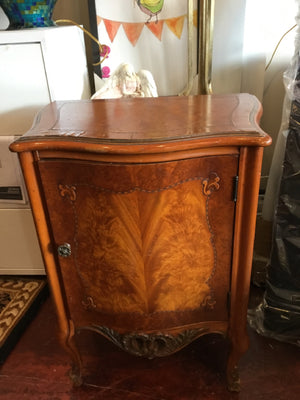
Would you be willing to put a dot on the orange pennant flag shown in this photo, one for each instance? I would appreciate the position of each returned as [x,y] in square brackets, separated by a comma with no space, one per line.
[133,31]
[112,28]
[156,28]
[99,19]
[176,25]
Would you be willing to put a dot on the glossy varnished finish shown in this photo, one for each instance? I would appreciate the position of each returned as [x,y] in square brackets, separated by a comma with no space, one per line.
[140,196]
[163,123]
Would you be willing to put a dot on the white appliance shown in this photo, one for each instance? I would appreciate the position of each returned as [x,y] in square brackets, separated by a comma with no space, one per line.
[37,66]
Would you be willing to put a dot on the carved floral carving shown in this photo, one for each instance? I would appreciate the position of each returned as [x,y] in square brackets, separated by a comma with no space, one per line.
[150,345]
[208,303]
[211,184]
[88,304]
[67,191]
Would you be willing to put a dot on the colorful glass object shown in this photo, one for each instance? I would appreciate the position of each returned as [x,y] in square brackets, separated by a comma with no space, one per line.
[28,13]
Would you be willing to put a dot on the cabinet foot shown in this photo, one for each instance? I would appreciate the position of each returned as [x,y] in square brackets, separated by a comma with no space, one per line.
[239,344]
[69,343]
[233,380]
[75,376]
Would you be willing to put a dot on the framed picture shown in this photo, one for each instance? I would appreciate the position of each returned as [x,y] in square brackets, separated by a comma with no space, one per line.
[170,38]
[94,32]
[149,36]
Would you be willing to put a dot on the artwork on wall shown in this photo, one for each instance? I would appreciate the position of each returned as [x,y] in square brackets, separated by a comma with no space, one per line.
[149,34]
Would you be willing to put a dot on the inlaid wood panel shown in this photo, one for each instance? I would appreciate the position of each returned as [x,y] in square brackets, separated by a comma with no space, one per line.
[146,240]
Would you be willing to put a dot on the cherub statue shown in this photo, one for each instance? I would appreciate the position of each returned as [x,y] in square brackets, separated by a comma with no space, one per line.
[124,82]
[147,83]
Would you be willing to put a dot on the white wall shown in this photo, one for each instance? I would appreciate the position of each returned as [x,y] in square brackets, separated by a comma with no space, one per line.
[266,22]
[245,36]
[228,46]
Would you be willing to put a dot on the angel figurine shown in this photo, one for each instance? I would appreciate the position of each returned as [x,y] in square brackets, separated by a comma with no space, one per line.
[124,82]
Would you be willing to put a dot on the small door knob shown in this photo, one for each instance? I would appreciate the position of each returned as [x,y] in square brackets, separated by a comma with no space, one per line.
[64,250]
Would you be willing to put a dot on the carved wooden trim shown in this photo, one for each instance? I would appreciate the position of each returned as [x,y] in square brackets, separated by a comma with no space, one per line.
[211,184]
[136,188]
[88,304]
[209,301]
[67,191]
[150,345]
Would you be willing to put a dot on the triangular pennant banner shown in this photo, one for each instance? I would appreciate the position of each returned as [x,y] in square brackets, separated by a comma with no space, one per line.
[176,25]
[112,28]
[156,28]
[133,31]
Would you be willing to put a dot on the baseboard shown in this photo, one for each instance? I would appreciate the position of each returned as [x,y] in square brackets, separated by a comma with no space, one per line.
[22,271]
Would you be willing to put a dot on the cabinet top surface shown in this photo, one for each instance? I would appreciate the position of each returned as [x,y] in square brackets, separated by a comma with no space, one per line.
[213,119]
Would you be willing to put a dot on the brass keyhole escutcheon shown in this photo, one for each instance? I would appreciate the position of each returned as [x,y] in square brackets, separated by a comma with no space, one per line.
[64,250]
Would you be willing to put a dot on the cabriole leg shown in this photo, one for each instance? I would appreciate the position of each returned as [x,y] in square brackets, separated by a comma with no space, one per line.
[69,343]
[238,346]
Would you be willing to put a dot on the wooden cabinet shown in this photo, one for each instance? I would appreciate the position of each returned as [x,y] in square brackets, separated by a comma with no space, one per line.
[145,211]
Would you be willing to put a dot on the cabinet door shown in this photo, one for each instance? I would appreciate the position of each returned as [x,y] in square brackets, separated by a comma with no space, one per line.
[150,243]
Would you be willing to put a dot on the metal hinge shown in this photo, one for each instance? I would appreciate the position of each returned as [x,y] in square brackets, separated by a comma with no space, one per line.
[235,187]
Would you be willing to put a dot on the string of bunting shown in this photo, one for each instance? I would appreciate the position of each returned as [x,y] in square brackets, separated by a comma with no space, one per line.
[133,30]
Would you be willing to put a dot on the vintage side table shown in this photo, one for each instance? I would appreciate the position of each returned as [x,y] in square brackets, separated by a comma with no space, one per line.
[145,210]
